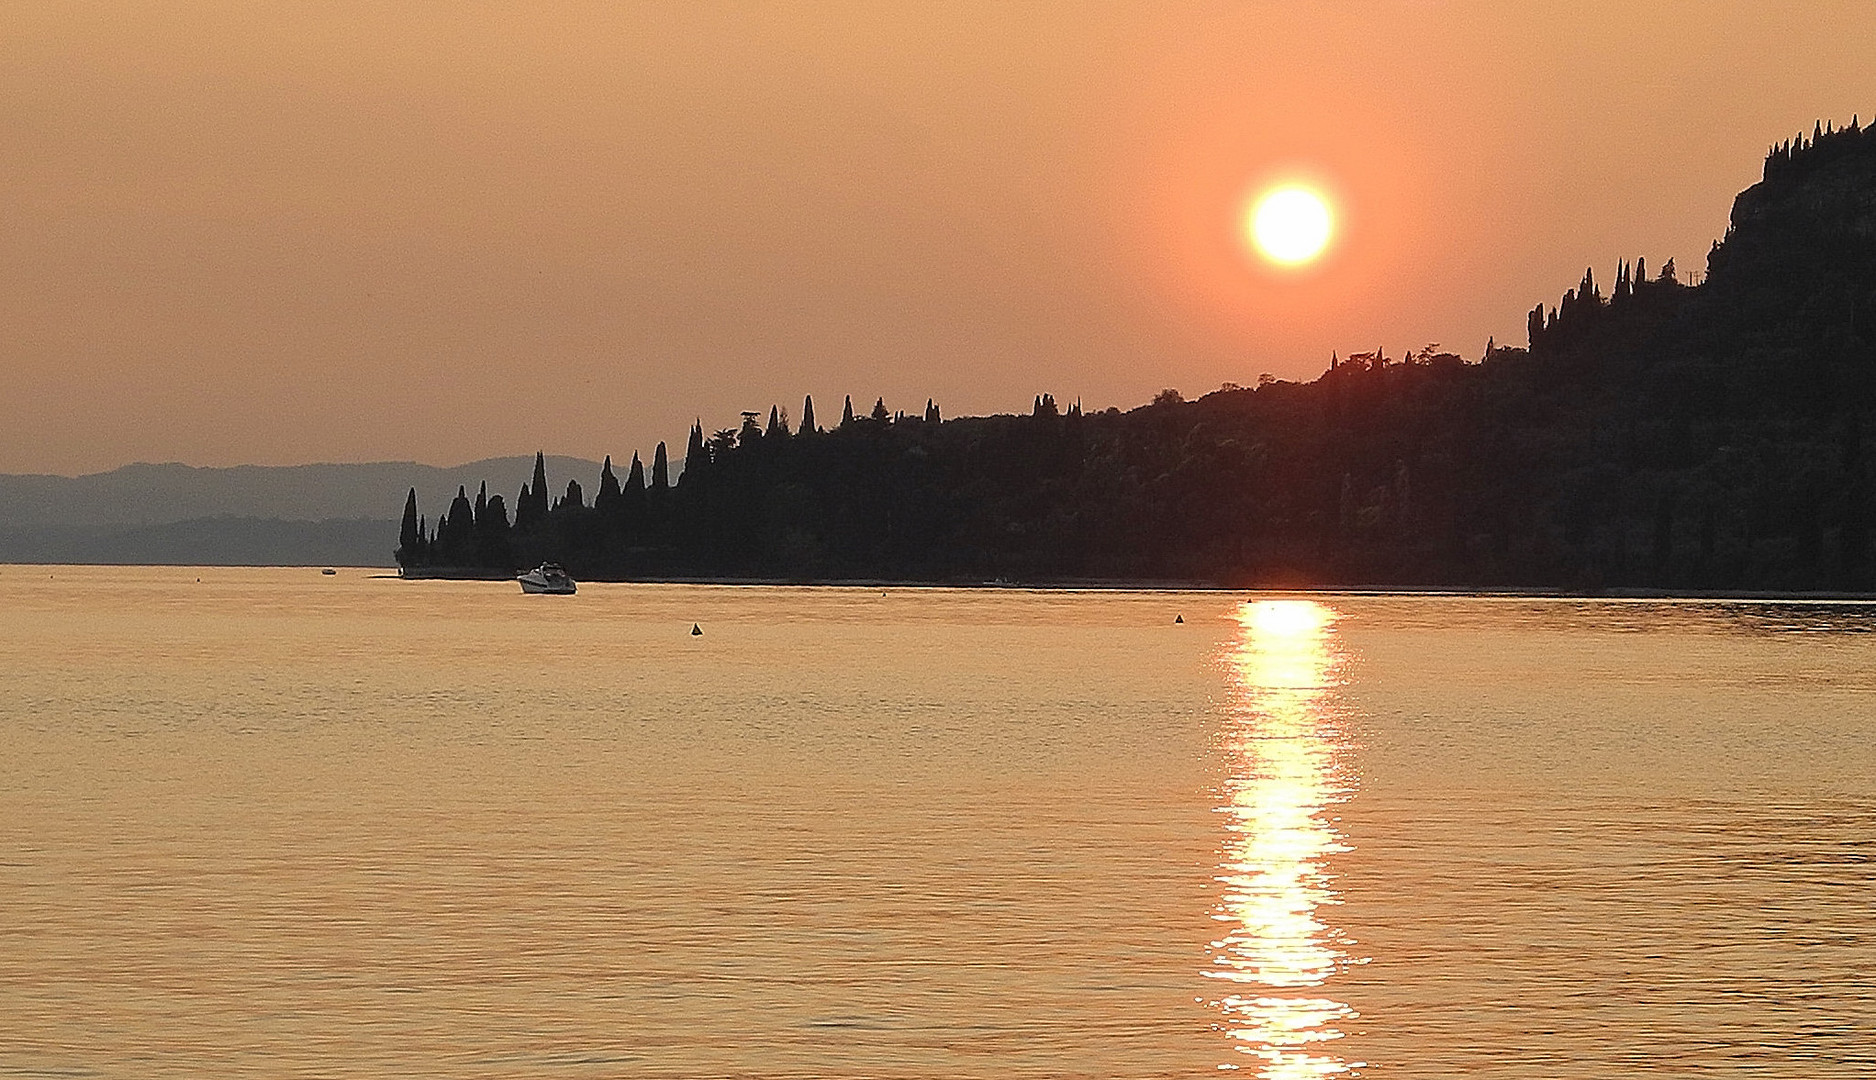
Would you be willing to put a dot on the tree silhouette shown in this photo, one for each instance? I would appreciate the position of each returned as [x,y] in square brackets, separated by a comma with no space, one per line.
[607,499]
[696,456]
[407,534]
[531,506]
[660,471]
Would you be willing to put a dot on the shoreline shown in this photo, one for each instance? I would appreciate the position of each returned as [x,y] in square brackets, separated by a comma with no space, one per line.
[386,573]
[1156,585]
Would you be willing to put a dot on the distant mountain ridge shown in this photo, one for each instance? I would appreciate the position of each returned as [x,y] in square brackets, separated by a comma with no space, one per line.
[210,541]
[257,515]
[146,494]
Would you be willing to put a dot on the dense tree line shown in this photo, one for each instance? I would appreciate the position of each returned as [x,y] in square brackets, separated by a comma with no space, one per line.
[1665,435]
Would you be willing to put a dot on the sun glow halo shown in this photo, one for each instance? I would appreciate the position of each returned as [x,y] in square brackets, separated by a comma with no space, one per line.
[1290,225]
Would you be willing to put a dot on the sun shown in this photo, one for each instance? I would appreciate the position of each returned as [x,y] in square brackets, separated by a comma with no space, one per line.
[1290,225]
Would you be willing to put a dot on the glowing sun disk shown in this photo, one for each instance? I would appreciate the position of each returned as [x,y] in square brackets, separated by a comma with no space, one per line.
[1290,225]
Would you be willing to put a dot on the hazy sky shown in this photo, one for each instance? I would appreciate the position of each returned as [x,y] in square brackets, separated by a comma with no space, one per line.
[279,233]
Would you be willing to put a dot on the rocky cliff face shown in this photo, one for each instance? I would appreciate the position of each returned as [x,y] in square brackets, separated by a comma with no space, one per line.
[1802,242]
[1828,180]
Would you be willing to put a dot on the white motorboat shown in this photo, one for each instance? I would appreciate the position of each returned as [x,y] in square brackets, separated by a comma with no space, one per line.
[547,578]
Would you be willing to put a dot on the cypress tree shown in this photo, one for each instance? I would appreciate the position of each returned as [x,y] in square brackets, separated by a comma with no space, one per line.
[846,412]
[409,534]
[635,478]
[608,496]
[533,504]
[575,497]
[455,533]
[880,415]
[660,471]
[807,416]
[490,545]
[1587,291]
[696,456]
[776,427]
[931,412]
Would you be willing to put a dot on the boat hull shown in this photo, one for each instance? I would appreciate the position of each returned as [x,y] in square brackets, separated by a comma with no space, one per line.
[547,588]
[547,578]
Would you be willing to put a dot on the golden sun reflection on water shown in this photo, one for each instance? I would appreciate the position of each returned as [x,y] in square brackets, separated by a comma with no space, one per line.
[1287,753]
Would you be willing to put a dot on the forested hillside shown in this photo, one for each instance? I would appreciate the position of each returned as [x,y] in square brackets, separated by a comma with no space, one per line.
[1654,434]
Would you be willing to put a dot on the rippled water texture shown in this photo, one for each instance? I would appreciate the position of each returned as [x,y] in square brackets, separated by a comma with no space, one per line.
[1289,760]
[273,823]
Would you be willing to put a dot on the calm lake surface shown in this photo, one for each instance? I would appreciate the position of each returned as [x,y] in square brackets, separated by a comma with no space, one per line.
[271,823]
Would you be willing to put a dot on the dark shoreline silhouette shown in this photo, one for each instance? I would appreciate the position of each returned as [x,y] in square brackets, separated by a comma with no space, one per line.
[1661,436]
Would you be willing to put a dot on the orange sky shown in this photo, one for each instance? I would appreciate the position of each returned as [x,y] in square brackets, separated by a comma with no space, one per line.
[443,231]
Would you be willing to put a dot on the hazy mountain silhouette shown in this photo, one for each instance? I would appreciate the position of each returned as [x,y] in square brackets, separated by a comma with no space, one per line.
[213,541]
[247,515]
[146,494]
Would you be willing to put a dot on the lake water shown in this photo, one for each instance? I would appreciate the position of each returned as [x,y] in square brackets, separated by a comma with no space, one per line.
[270,823]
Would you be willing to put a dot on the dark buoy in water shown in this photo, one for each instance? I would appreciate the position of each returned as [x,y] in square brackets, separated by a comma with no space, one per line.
[1179,618]
[695,630]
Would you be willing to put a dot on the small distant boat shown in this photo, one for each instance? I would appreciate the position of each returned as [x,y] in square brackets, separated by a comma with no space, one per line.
[547,578]
[329,571]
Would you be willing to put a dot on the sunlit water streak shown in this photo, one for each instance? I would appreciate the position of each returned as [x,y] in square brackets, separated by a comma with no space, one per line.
[268,823]
[1287,754]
